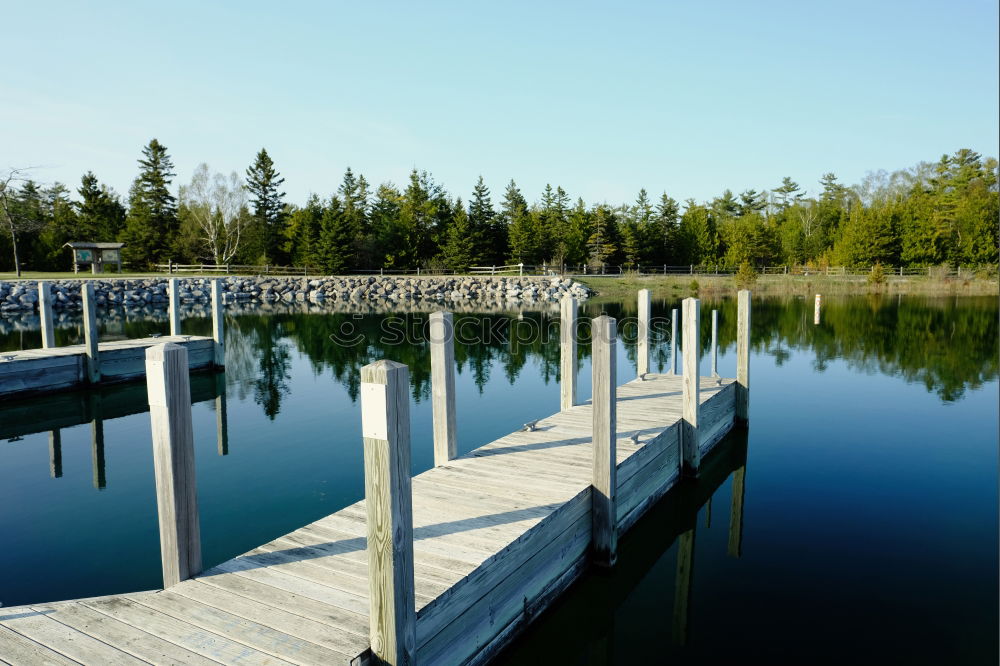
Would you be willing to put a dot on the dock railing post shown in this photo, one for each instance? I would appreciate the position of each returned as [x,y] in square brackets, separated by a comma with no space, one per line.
[45,314]
[169,390]
[174,308]
[218,333]
[642,345]
[567,353]
[743,358]
[92,355]
[605,482]
[442,339]
[673,341]
[385,426]
[715,343]
[690,445]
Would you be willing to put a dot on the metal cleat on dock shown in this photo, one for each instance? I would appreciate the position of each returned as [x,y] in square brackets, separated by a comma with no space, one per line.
[530,426]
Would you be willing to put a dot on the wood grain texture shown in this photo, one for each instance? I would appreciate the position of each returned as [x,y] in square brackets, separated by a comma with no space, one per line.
[690,447]
[743,357]
[174,307]
[388,499]
[442,341]
[45,315]
[642,343]
[605,467]
[567,353]
[169,393]
[92,360]
[218,331]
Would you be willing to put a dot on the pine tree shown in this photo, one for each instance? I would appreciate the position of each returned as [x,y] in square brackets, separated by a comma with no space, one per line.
[303,233]
[601,246]
[577,233]
[101,216]
[335,250]
[482,227]
[387,231]
[264,183]
[667,217]
[457,253]
[522,241]
[151,224]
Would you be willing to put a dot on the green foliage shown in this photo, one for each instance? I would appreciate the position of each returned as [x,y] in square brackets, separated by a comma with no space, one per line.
[151,224]
[460,247]
[877,275]
[264,184]
[746,276]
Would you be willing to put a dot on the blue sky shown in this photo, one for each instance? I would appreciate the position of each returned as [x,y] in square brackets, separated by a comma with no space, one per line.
[601,98]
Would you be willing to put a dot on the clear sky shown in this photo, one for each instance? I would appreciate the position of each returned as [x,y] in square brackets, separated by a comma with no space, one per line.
[601,98]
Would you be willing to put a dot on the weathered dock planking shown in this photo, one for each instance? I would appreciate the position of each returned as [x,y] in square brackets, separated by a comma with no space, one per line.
[497,534]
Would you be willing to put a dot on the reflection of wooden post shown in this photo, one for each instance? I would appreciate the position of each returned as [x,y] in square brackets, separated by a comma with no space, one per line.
[743,357]
[819,301]
[45,314]
[708,513]
[174,307]
[682,588]
[97,451]
[715,343]
[690,445]
[221,415]
[92,357]
[218,334]
[567,353]
[385,426]
[736,513]
[642,345]
[605,479]
[442,339]
[673,341]
[169,390]
[55,454]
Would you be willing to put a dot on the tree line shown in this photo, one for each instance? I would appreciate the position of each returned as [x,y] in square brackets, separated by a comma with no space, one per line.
[943,212]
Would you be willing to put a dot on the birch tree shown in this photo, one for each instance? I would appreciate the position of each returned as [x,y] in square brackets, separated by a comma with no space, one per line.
[218,205]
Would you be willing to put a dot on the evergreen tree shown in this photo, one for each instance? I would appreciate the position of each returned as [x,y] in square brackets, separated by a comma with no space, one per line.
[601,246]
[482,227]
[665,225]
[101,215]
[267,201]
[303,231]
[151,224]
[335,250]
[457,253]
[523,241]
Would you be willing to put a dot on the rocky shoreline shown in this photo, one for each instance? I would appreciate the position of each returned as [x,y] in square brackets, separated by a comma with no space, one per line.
[141,293]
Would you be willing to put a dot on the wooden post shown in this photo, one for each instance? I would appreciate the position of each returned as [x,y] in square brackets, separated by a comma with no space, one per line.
[218,334]
[567,353]
[690,446]
[743,358]
[92,358]
[642,345]
[715,343]
[45,314]
[175,308]
[735,548]
[442,339]
[55,453]
[385,426]
[673,341]
[816,308]
[605,481]
[682,586]
[97,452]
[169,390]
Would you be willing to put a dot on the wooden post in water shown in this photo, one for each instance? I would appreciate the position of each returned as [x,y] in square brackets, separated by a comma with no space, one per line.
[819,302]
[385,426]
[735,548]
[442,339]
[673,341]
[715,343]
[92,358]
[218,334]
[642,345]
[682,586]
[743,357]
[169,390]
[690,446]
[221,415]
[605,481]
[45,314]
[55,453]
[567,353]
[174,307]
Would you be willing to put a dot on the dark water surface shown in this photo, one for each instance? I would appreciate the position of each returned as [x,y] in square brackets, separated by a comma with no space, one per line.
[868,529]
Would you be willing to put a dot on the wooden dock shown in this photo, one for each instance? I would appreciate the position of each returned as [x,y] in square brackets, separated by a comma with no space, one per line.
[51,368]
[457,559]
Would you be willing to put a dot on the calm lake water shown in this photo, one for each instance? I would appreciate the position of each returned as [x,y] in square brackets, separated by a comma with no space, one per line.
[868,530]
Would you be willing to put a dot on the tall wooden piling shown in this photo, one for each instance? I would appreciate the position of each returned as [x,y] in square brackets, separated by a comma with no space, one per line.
[45,314]
[92,360]
[174,308]
[567,353]
[690,446]
[673,341]
[385,426]
[642,344]
[169,390]
[442,339]
[715,343]
[743,357]
[218,333]
[605,480]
